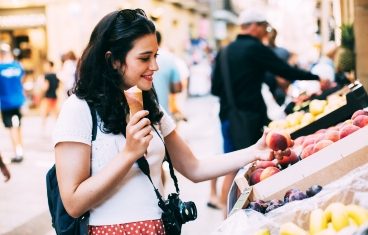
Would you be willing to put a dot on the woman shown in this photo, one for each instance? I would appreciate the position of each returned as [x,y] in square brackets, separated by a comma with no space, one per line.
[121,54]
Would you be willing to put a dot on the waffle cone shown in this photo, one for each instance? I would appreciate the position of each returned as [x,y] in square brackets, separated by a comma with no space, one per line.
[134,98]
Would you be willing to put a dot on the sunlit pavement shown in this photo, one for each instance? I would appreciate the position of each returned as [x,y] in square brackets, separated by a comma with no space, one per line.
[23,201]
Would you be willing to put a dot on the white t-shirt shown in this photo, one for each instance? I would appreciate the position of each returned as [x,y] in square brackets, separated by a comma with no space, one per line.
[134,198]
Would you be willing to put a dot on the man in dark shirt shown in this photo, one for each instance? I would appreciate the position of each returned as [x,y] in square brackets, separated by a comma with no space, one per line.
[248,61]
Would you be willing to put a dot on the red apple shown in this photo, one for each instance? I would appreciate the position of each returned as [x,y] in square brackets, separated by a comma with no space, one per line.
[321,144]
[278,140]
[360,121]
[269,171]
[359,112]
[347,130]
[307,151]
[254,177]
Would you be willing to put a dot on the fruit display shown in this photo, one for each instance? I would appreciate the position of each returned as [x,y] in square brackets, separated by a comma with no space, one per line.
[319,114]
[290,195]
[310,144]
[356,99]
[304,146]
[340,208]
[336,218]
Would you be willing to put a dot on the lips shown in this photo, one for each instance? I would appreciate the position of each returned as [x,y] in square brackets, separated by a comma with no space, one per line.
[148,77]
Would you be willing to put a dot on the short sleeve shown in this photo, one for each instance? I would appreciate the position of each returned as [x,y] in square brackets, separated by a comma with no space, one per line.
[167,124]
[74,123]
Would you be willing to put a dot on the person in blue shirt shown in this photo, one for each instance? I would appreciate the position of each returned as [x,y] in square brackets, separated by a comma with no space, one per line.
[167,78]
[11,97]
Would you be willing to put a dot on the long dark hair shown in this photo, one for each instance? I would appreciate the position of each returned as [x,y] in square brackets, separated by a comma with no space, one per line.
[99,83]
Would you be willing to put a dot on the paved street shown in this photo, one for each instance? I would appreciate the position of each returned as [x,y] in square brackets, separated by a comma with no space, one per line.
[23,202]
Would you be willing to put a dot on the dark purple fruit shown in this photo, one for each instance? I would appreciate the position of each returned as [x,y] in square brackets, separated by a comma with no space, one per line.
[255,206]
[294,195]
[287,194]
[313,190]
[273,204]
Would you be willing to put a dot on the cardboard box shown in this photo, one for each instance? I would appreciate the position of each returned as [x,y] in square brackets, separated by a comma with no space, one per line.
[321,168]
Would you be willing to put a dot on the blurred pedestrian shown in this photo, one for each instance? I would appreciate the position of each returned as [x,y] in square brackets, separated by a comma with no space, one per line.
[121,54]
[11,98]
[248,60]
[277,85]
[4,170]
[50,99]
[167,78]
[67,74]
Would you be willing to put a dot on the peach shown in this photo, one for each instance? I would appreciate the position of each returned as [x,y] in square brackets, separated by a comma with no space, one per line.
[321,144]
[299,140]
[278,140]
[309,140]
[347,130]
[264,164]
[321,131]
[332,135]
[359,112]
[254,177]
[291,159]
[360,121]
[307,151]
[269,171]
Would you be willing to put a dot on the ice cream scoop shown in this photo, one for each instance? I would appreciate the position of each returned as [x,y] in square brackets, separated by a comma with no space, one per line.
[134,98]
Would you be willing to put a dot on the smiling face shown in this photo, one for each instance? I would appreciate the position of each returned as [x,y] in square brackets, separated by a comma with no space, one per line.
[140,63]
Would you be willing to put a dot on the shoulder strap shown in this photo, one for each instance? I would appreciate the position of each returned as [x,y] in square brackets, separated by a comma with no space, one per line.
[168,159]
[226,78]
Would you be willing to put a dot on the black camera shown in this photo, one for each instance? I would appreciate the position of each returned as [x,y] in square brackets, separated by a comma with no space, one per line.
[176,213]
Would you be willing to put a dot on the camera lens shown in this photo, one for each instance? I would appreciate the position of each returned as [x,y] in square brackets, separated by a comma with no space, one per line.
[188,211]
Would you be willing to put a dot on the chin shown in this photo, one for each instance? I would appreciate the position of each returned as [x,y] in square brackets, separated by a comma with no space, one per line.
[146,86]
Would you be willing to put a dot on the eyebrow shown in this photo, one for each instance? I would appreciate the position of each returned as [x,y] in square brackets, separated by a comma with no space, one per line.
[145,53]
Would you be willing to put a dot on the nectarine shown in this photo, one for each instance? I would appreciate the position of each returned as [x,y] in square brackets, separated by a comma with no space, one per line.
[264,164]
[307,151]
[359,112]
[321,144]
[254,177]
[360,120]
[347,130]
[332,135]
[286,160]
[269,171]
[278,140]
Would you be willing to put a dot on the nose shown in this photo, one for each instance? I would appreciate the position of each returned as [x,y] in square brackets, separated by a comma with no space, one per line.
[153,65]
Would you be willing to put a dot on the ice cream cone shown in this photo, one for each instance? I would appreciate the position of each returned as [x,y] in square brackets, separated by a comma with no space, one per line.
[134,98]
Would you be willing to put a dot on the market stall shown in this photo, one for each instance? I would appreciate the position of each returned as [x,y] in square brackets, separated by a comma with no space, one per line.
[321,186]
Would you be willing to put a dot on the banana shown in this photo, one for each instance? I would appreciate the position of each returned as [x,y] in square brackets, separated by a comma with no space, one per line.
[264,231]
[317,222]
[353,223]
[292,229]
[358,214]
[336,213]
[328,231]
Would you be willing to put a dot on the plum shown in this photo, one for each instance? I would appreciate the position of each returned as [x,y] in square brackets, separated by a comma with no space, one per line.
[313,190]
[294,195]
[273,204]
[255,206]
